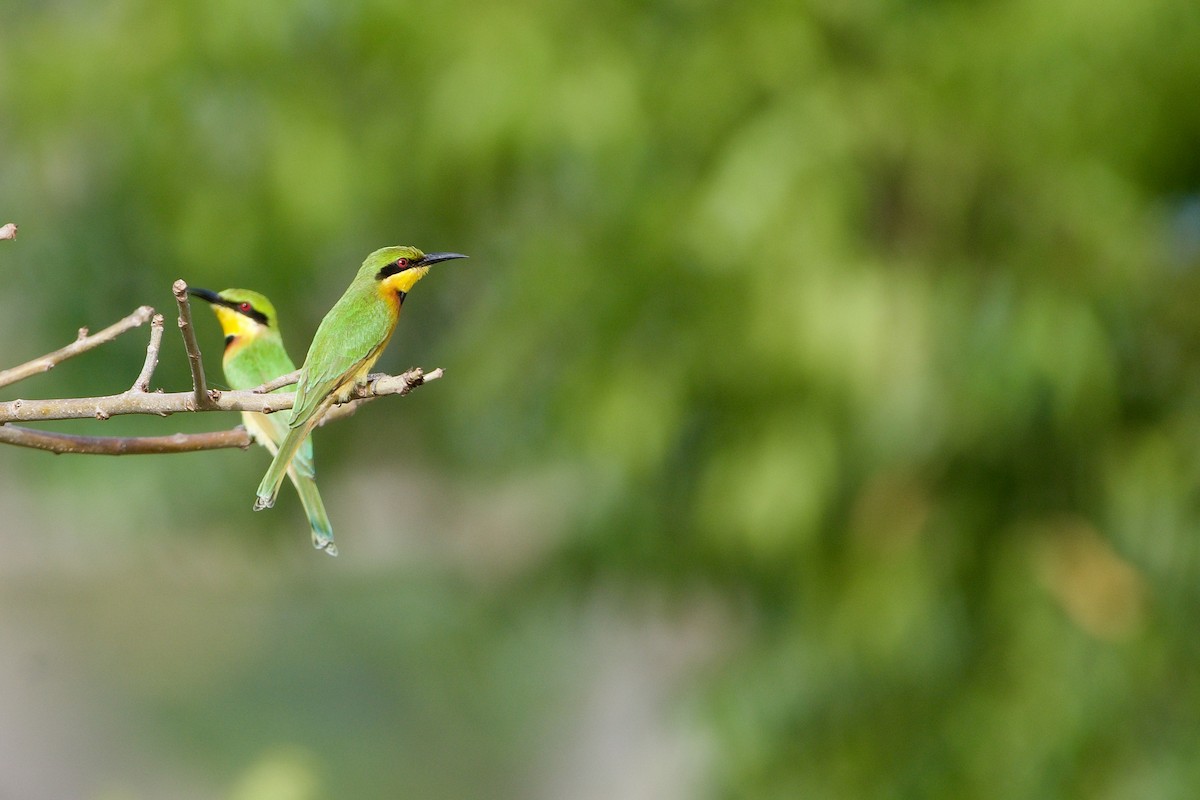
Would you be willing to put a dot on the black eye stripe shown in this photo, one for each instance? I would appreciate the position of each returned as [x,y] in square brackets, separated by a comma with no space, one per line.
[253,313]
[393,268]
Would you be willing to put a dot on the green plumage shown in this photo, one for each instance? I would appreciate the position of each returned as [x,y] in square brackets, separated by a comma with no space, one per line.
[255,363]
[255,354]
[346,346]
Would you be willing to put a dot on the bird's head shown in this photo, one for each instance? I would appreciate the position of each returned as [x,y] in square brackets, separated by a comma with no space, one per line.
[397,269]
[244,315]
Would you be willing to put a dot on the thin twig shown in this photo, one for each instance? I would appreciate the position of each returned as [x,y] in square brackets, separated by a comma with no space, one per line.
[82,344]
[142,384]
[164,404]
[124,445]
[200,392]
[8,231]
[287,379]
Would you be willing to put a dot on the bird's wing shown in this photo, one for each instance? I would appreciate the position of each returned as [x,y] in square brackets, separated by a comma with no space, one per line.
[346,344]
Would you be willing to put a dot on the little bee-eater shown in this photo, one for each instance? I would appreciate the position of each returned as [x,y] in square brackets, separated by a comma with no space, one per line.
[254,354]
[346,345]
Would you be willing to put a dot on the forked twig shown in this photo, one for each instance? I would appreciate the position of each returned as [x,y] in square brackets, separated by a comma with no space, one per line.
[83,342]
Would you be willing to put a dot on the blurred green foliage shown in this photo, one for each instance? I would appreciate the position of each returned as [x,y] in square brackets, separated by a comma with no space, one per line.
[863,332]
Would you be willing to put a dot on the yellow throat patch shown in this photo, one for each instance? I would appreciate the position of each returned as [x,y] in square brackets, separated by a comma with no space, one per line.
[402,281]
[239,329]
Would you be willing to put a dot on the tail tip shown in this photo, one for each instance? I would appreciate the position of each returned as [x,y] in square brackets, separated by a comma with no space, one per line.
[263,501]
[323,536]
[325,544]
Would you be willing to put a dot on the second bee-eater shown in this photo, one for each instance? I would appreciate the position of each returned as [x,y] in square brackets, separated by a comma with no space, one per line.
[345,347]
[254,354]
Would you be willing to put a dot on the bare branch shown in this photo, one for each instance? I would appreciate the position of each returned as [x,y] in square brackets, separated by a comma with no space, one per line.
[124,445]
[8,231]
[199,385]
[142,384]
[140,400]
[164,404]
[82,344]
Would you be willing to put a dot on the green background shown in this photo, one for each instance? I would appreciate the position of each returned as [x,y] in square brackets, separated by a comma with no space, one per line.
[820,412]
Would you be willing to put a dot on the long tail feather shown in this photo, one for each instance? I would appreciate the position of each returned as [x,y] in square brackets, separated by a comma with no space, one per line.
[314,509]
[268,489]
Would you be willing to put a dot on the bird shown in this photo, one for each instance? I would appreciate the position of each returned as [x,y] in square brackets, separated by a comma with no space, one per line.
[346,345]
[254,354]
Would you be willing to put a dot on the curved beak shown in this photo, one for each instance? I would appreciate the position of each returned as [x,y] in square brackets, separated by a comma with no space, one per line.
[433,258]
[205,294]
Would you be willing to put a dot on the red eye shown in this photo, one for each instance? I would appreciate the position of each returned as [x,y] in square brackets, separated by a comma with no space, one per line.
[401,262]
[243,307]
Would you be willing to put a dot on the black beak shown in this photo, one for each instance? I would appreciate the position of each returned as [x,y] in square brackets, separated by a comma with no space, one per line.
[205,294]
[433,258]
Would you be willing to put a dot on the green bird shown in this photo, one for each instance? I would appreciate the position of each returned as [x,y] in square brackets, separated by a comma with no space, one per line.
[254,354]
[347,344]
